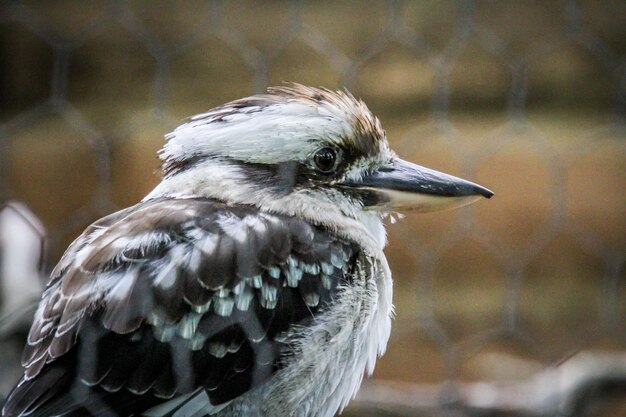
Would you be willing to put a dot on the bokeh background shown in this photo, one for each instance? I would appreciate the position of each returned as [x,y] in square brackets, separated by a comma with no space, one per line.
[526,97]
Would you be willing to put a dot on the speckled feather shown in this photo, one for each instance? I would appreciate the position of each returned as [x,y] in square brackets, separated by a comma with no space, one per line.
[213,284]
[246,284]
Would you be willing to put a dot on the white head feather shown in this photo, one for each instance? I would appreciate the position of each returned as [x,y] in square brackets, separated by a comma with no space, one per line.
[289,124]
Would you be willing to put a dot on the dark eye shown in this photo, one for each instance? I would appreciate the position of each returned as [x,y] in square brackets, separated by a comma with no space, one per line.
[325,160]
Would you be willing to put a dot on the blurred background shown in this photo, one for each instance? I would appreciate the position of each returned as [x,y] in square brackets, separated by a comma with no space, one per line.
[512,307]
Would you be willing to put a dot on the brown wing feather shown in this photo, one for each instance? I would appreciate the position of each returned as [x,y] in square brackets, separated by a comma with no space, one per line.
[172,295]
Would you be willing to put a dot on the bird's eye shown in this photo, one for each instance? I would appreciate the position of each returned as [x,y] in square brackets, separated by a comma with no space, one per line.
[325,160]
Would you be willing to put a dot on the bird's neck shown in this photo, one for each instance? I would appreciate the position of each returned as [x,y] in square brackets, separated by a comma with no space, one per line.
[230,185]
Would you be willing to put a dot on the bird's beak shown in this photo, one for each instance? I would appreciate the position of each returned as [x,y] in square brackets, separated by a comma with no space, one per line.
[404,186]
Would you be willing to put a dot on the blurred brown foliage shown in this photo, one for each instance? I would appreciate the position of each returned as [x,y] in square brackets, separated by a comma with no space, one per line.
[527,98]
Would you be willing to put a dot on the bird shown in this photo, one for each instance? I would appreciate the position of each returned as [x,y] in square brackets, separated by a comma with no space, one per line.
[251,281]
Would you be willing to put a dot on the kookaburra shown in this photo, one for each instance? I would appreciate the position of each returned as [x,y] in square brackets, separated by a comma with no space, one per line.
[250,282]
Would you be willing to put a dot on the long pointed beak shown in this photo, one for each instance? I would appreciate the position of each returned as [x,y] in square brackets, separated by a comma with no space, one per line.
[406,186]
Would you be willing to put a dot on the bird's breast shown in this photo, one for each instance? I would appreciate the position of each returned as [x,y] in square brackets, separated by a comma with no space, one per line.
[331,356]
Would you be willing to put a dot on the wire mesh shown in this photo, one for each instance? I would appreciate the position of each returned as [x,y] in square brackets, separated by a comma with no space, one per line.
[441,61]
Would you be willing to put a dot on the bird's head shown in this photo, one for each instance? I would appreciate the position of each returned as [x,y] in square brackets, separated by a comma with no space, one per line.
[303,151]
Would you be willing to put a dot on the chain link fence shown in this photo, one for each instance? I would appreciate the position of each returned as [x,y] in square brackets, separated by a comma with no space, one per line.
[495,303]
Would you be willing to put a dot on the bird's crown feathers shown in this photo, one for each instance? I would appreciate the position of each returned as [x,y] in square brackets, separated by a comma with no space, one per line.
[286,123]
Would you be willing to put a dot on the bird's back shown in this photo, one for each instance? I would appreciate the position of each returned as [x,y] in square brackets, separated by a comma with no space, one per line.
[176,299]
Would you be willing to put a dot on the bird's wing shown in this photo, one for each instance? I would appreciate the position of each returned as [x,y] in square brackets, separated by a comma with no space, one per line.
[174,296]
